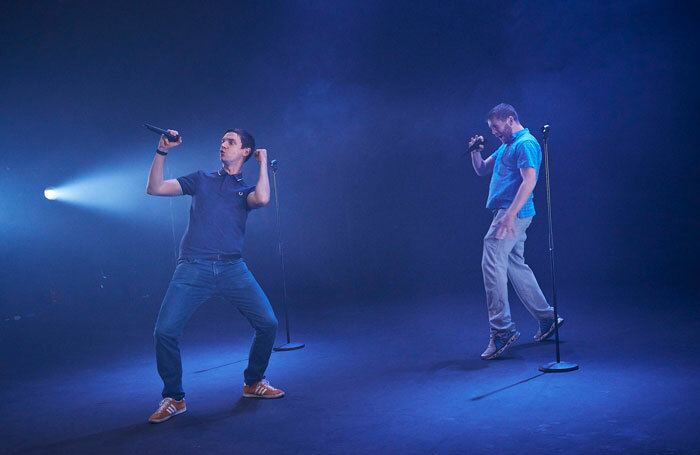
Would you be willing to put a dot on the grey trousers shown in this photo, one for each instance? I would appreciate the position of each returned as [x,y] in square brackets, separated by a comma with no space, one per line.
[503,260]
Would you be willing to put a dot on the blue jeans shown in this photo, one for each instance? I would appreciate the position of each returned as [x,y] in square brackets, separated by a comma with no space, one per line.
[194,282]
[505,259]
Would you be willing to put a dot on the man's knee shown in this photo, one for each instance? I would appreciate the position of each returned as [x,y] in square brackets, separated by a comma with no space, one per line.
[268,325]
[489,256]
[164,331]
[494,261]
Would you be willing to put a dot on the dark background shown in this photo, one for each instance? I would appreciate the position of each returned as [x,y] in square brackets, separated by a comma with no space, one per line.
[367,106]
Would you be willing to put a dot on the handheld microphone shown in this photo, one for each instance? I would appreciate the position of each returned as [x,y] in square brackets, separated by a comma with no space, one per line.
[165,133]
[476,145]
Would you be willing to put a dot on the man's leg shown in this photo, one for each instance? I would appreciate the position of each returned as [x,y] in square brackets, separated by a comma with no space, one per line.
[240,287]
[192,285]
[522,278]
[494,265]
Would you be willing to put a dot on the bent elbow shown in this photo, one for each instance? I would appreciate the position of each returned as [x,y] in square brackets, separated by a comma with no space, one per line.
[152,190]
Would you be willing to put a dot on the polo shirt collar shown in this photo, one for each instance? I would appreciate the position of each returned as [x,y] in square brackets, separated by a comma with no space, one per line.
[519,133]
[222,173]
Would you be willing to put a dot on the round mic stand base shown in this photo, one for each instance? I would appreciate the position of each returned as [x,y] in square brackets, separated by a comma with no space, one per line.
[288,347]
[558,367]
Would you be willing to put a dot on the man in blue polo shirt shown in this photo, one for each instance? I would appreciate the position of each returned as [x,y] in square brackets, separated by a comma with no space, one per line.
[210,264]
[515,167]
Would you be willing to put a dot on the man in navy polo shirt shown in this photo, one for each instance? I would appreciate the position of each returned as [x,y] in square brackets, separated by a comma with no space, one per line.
[515,167]
[210,264]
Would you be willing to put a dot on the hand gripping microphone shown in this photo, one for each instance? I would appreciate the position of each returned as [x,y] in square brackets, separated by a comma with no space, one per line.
[476,145]
[165,133]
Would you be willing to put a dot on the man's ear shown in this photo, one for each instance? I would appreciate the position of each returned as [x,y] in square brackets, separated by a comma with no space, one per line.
[248,152]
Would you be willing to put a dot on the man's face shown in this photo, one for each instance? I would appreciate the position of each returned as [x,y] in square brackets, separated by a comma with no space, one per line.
[502,129]
[230,149]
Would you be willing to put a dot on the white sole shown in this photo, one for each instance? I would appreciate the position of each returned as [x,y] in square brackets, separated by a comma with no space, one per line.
[252,395]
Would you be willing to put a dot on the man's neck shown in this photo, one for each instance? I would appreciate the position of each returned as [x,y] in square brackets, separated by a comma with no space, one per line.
[233,168]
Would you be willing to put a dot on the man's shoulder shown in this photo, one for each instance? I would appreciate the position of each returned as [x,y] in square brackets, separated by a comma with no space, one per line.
[526,136]
[527,140]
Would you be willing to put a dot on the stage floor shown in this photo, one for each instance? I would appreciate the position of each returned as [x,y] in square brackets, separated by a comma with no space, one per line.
[400,376]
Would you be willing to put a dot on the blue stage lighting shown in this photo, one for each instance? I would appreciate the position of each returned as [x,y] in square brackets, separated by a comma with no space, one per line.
[50,193]
[117,189]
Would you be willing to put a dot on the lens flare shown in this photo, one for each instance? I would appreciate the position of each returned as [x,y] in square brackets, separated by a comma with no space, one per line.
[50,193]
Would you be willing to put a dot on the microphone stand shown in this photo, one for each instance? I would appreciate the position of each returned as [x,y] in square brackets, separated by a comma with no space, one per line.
[289,346]
[558,366]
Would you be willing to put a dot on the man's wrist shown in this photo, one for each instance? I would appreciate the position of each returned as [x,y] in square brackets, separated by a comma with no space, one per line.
[160,152]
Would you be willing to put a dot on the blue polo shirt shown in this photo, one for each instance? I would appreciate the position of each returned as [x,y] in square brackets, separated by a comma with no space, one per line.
[218,214]
[522,151]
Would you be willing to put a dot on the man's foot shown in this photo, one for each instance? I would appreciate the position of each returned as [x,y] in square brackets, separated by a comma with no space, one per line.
[547,328]
[261,389]
[166,409]
[498,344]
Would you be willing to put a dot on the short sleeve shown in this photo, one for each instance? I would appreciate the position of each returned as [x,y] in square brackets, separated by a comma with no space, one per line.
[528,154]
[188,183]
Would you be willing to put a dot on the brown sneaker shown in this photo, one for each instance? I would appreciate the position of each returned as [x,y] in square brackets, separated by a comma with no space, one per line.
[166,409]
[261,389]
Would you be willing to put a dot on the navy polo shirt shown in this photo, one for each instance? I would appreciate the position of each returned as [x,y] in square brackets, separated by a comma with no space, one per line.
[218,214]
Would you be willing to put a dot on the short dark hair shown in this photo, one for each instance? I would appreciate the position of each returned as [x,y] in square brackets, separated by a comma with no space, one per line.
[502,112]
[247,140]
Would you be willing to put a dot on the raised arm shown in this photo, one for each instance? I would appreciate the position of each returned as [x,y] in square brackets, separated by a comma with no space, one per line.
[261,195]
[481,166]
[156,185]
